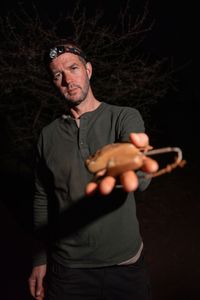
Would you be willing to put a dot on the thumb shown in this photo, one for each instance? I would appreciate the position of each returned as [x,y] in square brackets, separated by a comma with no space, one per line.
[139,139]
[39,287]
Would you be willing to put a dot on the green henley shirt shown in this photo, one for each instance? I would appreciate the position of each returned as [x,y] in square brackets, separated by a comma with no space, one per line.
[84,231]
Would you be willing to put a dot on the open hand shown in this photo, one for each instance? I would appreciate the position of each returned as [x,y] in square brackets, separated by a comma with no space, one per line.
[128,178]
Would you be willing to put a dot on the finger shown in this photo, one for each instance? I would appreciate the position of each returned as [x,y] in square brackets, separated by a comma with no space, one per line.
[39,287]
[91,188]
[32,285]
[139,139]
[41,296]
[150,165]
[106,185]
[129,181]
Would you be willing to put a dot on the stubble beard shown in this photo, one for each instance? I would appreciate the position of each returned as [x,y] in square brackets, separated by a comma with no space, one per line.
[82,97]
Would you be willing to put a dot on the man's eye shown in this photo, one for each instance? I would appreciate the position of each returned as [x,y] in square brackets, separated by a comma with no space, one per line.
[56,76]
[74,67]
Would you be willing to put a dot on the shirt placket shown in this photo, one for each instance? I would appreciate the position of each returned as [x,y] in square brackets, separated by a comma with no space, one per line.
[82,140]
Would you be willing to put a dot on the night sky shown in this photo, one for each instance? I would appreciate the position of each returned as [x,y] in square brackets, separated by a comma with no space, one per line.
[174,35]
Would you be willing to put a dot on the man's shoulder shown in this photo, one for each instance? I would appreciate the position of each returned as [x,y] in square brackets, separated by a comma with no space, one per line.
[50,127]
[121,108]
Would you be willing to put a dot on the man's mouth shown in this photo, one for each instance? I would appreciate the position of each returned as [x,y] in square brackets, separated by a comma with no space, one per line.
[72,91]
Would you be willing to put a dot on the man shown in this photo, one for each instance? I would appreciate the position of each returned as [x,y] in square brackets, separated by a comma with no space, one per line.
[91,245]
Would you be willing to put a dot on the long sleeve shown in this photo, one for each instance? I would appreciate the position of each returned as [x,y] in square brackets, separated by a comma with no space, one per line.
[40,210]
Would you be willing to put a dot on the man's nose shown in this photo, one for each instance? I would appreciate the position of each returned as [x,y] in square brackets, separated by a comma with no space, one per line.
[66,78]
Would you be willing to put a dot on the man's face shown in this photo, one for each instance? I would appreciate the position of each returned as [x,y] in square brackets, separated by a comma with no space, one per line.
[72,77]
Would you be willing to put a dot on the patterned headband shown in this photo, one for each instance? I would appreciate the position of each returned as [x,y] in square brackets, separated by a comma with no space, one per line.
[58,50]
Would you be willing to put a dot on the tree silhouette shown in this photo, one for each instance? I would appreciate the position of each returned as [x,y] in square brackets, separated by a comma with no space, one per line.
[123,75]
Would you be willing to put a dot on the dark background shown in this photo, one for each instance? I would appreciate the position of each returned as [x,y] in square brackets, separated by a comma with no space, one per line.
[169,210]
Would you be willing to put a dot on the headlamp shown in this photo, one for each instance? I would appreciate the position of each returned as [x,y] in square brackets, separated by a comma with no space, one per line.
[58,50]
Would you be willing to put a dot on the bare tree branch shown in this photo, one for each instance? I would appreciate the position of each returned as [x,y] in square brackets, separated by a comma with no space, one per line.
[122,74]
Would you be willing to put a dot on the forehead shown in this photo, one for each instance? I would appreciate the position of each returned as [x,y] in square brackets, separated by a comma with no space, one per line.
[65,59]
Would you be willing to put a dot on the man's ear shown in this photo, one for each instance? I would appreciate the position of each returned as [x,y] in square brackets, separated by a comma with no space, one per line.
[88,67]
